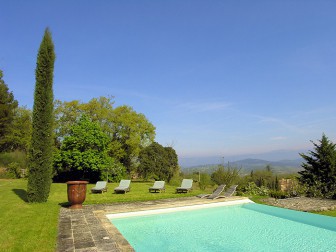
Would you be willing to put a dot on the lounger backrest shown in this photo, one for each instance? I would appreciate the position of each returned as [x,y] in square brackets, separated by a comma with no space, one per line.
[219,189]
[231,191]
[101,184]
[125,183]
[186,183]
[159,184]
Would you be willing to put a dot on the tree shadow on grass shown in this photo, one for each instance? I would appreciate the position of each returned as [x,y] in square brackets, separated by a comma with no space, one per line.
[21,193]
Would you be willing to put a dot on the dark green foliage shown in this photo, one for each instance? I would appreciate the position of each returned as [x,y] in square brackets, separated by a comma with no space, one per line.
[14,170]
[158,162]
[276,184]
[7,111]
[278,194]
[172,160]
[40,152]
[84,153]
[319,172]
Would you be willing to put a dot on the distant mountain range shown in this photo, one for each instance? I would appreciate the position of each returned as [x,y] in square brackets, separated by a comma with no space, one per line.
[249,164]
[271,156]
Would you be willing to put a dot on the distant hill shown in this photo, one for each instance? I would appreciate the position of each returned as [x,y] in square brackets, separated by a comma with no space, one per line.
[247,165]
[270,156]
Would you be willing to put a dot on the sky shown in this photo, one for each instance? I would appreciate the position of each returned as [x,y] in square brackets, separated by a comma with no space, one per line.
[216,78]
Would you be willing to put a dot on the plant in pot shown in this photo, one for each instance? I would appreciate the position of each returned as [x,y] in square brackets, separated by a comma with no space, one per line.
[82,157]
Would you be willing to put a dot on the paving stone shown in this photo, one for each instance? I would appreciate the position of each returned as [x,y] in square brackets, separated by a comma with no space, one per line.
[66,245]
[87,250]
[82,237]
[107,247]
[84,244]
[81,229]
[64,235]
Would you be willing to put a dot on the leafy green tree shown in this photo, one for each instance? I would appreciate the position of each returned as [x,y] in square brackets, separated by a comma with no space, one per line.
[84,152]
[66,114]
[319,172]
[7,111]
[157,162]
[98,109]
[41,150]
[131,133]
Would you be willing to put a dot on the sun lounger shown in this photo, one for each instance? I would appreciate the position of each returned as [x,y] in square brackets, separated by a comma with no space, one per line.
[185,187]
[159,186]
[101,186]
[229,192]
[215,194]
[124,186]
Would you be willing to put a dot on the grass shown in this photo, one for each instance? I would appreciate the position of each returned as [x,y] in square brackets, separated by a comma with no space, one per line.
[33,227]
[26,227]
[329,213]
[258,199]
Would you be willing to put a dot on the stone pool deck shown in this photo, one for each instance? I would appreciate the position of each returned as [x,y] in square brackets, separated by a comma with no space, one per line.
[303,204]
[89,230]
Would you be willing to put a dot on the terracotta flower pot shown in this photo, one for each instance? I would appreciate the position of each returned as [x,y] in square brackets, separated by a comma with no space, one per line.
[76,193]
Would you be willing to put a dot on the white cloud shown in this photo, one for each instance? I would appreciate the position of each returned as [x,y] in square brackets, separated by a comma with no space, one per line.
[278,138]
[204,106]
[281,123]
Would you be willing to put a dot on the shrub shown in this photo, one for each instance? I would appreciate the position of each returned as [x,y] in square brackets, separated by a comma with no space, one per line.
[3,173]
[227,176]
[14,170]
[278,194]
[19,157]
[253,189]
[205,180]
[176,179]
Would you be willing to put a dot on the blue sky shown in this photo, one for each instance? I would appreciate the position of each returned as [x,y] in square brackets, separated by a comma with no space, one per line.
[216,78]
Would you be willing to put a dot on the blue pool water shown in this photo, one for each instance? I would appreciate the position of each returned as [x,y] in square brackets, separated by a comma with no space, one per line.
[247,227]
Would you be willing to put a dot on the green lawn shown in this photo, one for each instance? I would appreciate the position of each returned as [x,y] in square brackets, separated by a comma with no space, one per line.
[33,227]
[329,213]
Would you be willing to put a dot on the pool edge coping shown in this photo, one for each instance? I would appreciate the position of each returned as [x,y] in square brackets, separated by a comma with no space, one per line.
[177,209]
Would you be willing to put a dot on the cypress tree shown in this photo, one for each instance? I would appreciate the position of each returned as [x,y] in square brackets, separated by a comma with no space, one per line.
[319,172]
[40,152]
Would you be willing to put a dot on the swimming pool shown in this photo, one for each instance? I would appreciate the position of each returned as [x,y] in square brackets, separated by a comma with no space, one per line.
[245,227]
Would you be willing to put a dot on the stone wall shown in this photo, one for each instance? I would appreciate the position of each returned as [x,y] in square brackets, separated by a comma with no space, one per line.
[286,185]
